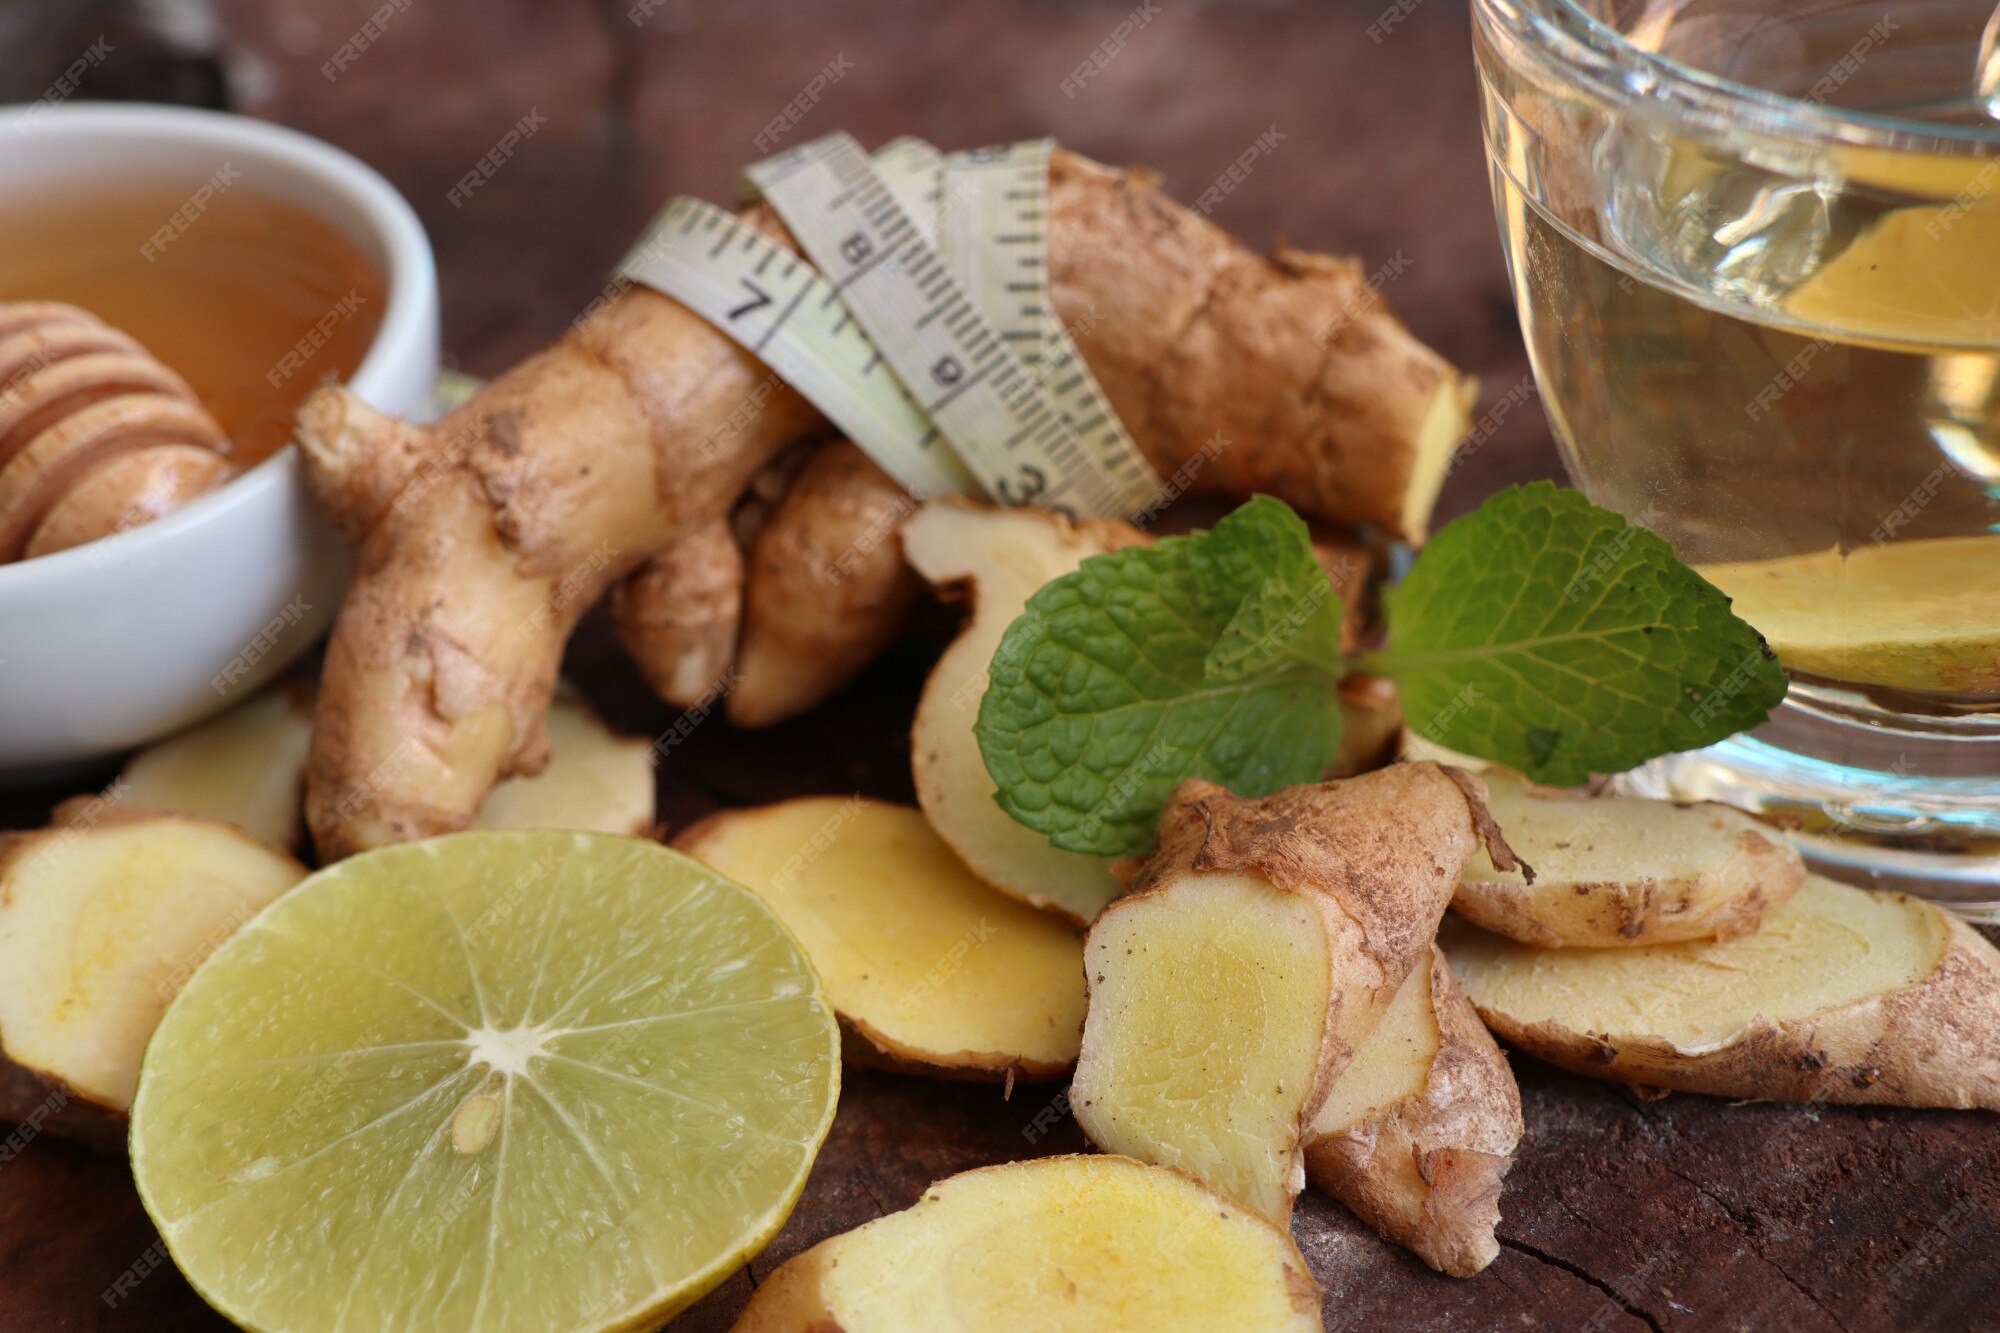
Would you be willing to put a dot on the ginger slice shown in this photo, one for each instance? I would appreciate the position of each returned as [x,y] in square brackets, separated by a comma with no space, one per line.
[1002,557]
[1261,945]
[597,781]
[247,768]
[1206,1026]
[99,928]
[1062,1245]
[1417,1134]
[1616,871]
[926,965]
[1843,996]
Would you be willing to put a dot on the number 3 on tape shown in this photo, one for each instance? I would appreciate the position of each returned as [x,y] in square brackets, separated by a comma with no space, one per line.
[937,340]
[886,341]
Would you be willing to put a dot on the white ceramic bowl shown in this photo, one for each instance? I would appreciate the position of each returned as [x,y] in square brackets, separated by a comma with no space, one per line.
[116,643]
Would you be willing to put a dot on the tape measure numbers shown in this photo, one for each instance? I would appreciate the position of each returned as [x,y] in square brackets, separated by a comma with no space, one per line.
[995,234]
[926,333]
[777,307]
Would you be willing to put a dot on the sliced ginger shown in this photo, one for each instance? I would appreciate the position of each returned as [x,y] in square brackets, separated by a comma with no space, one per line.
[1371,715]
[1208,1017]
[1003,556]
[1392,1065]
[247,768]
[1907,615]
[597,781]
[925,964]
[1059,1245]
[1614,871]
[1418,1132]
[99,927]
[1843,996]
[1262,943]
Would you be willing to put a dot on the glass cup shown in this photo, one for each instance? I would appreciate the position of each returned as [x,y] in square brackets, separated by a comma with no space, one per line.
[1755,246]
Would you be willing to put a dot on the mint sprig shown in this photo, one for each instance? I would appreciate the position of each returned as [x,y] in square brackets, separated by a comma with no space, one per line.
[1209,656]
[1560,640]
[1540,631]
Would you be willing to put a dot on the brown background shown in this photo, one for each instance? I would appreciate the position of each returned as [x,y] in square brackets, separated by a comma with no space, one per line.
[1680,1214]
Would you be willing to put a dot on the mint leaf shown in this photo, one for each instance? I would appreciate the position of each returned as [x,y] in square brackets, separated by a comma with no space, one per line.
[1213,655]
[1290,616]
[1553,636]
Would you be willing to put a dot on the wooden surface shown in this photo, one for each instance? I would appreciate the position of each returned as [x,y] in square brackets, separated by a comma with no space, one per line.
[1680,1214]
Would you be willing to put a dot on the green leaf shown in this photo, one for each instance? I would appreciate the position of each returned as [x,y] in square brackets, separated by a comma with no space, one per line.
[1211,656]
[1286,611]
[1556,638]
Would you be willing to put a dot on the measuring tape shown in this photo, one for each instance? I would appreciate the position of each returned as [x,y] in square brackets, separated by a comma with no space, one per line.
[922,328]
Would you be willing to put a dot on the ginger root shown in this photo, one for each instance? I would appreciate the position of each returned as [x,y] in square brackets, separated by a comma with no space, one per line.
[1099,1243]
[678,614]
[822,590]
[1842,996]
[484,536]
[1417,1133]
[551,484]
[826,589]
[248,768]
[99,927]
[929,970]
[1261,944]
[1619,871]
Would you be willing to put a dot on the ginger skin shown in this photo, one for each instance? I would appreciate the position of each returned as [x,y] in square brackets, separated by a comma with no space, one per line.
[483,537]
[827,587]
[678,614]
[550,485]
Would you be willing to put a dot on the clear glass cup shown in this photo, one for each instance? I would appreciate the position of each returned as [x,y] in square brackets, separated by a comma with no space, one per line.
[1755,246]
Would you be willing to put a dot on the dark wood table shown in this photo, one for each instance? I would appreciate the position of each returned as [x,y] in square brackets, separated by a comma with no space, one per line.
[1686,1213]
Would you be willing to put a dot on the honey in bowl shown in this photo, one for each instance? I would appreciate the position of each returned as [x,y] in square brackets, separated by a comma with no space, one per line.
[253,301]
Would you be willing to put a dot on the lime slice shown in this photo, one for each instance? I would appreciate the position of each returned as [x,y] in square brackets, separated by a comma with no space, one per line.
[1915,615]
[494,1081]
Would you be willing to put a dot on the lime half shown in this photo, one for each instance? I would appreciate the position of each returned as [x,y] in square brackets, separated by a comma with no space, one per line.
[495,1081]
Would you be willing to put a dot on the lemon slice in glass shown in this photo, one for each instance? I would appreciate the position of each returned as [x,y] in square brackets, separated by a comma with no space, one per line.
[490,1082]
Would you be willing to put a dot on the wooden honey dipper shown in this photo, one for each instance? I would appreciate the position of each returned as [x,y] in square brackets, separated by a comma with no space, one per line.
[96,435]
